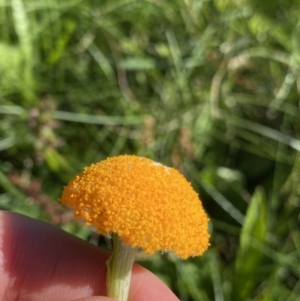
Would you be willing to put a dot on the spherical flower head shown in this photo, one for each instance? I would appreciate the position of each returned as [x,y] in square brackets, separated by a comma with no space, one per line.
[147,204]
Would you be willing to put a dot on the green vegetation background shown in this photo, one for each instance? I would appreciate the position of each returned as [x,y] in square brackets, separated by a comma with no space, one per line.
[210,87]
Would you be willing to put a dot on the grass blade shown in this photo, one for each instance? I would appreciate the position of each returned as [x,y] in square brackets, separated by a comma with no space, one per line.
[249,258]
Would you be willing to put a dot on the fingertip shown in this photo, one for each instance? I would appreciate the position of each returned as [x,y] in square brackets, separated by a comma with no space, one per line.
[145,286]
[42,260]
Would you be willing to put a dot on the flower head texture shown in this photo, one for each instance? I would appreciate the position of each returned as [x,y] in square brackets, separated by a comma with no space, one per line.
[147,204]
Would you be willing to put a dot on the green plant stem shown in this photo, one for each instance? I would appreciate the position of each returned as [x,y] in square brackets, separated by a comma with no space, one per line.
[119,269]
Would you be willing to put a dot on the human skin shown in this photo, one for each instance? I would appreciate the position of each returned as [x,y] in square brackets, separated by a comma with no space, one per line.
[41,262]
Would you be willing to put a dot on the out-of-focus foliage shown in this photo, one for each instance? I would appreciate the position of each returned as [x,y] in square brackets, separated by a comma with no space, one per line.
[210,87]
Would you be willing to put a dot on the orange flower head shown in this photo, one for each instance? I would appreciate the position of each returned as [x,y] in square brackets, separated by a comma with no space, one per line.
[147,204]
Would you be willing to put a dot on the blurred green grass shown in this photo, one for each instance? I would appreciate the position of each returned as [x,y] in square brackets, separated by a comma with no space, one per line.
[209,87]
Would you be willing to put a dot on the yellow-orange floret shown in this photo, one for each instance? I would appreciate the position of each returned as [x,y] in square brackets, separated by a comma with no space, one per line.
[147,204]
